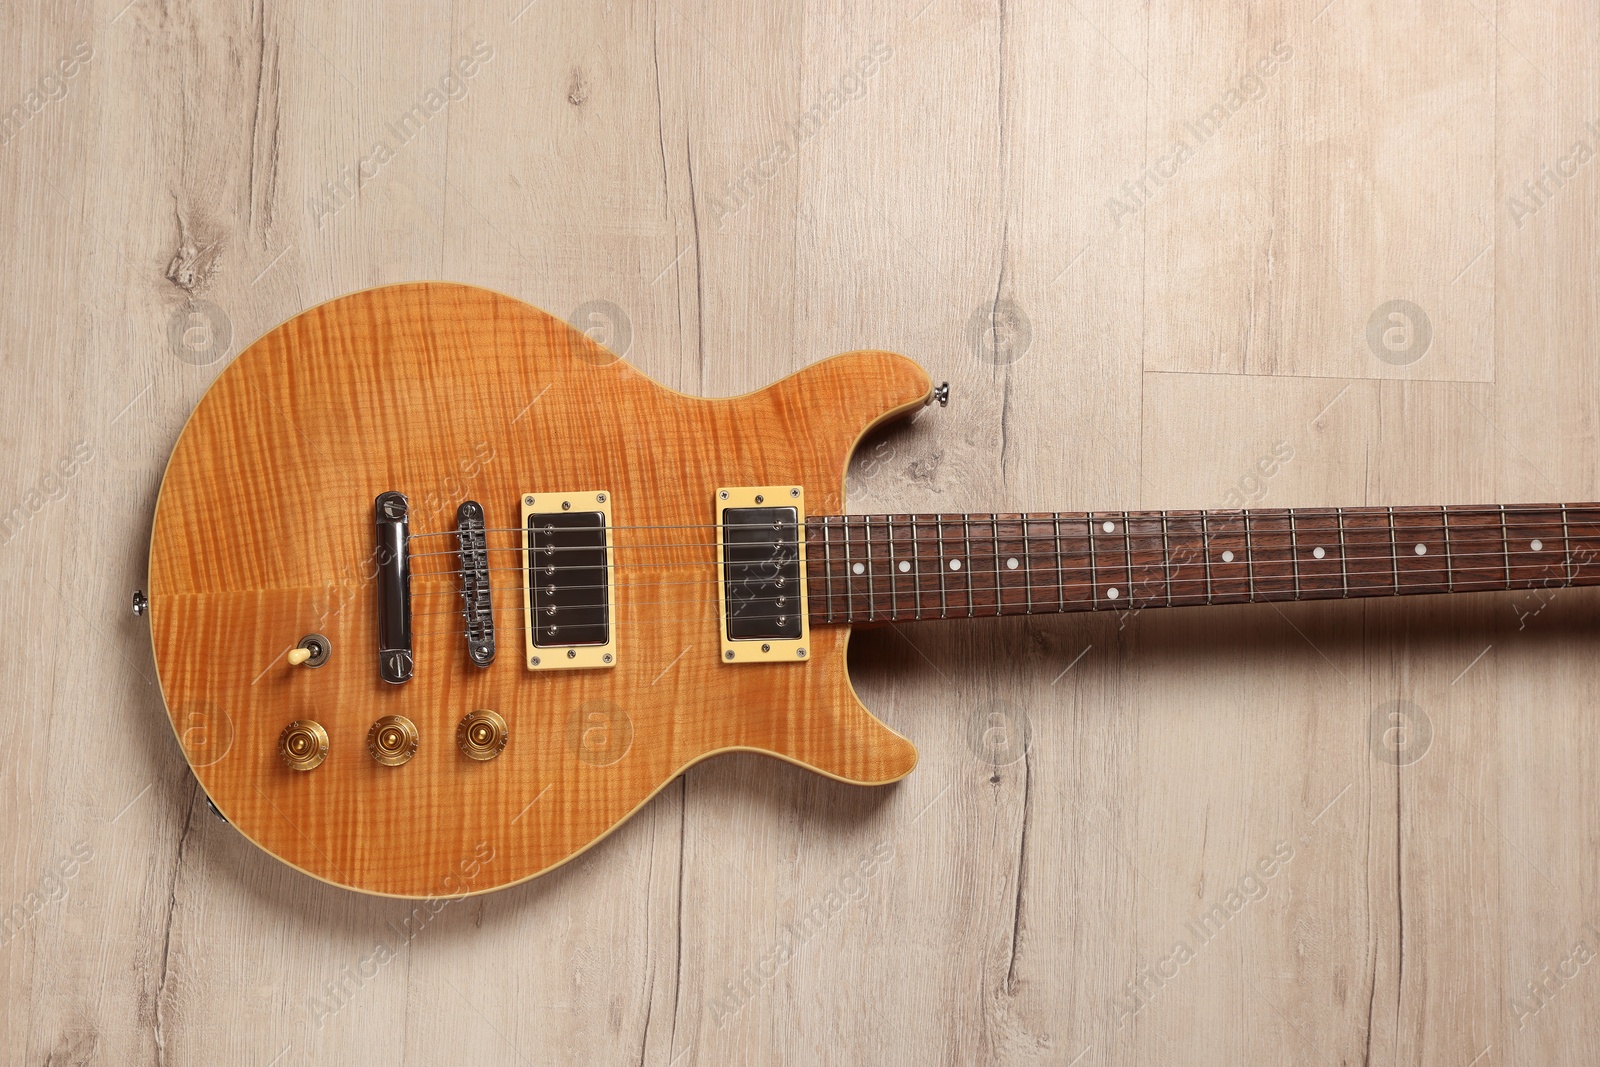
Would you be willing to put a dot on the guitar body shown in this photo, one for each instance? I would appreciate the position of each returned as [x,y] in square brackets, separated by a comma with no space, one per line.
[264,533]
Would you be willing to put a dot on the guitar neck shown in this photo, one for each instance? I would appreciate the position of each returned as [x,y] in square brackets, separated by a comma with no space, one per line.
[890,568]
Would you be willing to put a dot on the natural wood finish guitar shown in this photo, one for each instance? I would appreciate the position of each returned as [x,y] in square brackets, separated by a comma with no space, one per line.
[264,534]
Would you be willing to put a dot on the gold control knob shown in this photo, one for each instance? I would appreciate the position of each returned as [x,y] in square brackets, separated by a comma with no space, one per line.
[392,740]
[303,745]
[482,735]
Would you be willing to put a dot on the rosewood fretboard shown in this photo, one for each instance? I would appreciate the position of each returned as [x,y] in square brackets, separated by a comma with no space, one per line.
[869,568]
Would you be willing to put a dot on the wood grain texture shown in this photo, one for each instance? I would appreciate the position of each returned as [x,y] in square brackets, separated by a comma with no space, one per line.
[623,152]
[263,533]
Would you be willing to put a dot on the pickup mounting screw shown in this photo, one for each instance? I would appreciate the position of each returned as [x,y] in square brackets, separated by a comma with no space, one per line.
[533,661]
[572,653]
[606,658]
[528,500]
[728,654]
[800,653]
[600,498]
[794,492]
[766,648]
[723,494]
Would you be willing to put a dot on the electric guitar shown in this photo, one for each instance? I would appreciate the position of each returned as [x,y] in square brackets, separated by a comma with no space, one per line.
[441,591]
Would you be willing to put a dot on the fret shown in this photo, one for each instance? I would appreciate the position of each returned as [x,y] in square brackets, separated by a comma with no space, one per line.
[916,568]
[1166,557]
[1127,555]
[1505,545]
[1394,552]
[966,547]
[1294,553]
[1094,567]
[1566,543]
[891,558]
[1027,562]
[944,597]
[827,560]
[872,592]
[1205,549]
[1344,558]
[1249,557]
[999,598]
[1449,557]
[1061,589]
[849,599]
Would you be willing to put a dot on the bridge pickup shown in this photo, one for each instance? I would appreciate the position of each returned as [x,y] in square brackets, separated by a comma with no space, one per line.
[570,595]
[477,607]
[391,518]
[761,558]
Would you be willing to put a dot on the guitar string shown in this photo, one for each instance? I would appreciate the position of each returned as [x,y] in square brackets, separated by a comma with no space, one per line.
[969,591]
[1021,586]
[1549,529]
[1040,562]
[897,613]
[1013,518]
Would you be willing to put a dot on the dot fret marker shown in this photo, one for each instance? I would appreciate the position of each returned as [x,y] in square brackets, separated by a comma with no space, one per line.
[905,565]
[1319,552]
[1227,556]
[1422,550]
[1537,545]
[1011,564]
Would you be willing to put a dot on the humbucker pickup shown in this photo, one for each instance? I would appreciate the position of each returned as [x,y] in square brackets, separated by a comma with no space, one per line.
[761,555]
[570,595]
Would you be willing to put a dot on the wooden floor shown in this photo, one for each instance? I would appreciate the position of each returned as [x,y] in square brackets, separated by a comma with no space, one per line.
[1320,253]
